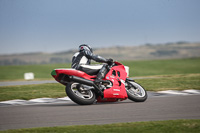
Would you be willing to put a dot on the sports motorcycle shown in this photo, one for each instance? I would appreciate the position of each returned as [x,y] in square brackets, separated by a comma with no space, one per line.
[116,86]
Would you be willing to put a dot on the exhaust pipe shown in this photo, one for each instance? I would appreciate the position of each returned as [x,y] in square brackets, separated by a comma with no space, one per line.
[67,78]
[81,80]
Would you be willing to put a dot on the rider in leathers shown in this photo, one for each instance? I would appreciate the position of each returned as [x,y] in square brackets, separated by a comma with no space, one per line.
[82,59]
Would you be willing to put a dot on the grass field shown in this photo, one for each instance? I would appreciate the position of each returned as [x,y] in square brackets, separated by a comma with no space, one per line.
[137,68]
[171,82]
[171,126]
[177,74]
[41,72]
[27,92]
[163,67]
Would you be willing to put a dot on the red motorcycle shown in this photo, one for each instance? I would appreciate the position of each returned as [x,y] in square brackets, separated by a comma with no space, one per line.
[116,86]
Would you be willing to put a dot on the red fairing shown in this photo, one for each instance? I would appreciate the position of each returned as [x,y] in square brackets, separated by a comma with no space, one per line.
[99,99]
[117,75]
[117,63]
[74,73]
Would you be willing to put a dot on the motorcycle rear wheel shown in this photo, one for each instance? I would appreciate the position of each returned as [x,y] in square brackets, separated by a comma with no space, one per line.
[136,92]
[81,97]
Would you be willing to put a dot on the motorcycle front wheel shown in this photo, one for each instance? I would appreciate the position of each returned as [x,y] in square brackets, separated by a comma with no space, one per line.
[135,91]
[79,95]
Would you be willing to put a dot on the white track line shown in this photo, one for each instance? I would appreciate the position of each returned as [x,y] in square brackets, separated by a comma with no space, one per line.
[35,101]
[65,99]
[192,91]
[185,92]
[172,92]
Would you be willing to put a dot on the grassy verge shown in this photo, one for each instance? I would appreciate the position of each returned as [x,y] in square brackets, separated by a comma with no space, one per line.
[137,68]
[171,126]
[171,82]
[167,82]
[41,72]
[27,92]
[163,67]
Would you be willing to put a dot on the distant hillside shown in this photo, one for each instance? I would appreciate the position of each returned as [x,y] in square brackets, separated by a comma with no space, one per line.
[148,51]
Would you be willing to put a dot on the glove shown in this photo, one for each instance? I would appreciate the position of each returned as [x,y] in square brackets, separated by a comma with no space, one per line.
[109,61]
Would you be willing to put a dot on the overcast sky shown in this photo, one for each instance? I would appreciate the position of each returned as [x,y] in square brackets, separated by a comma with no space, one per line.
[59,25]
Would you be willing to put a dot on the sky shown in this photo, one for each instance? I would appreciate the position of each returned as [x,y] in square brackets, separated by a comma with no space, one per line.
[60,25]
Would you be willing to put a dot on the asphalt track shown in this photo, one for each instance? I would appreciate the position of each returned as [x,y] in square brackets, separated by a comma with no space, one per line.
[69,113]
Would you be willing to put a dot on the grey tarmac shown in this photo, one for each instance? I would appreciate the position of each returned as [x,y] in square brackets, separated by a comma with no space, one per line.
[69,113]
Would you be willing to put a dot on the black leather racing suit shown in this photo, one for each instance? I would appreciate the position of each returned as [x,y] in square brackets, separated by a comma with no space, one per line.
[82,59]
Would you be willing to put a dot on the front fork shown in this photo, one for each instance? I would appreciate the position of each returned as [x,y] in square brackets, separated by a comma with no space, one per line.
[128,84]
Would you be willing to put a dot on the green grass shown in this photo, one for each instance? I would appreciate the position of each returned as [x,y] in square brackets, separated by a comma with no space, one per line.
[179,74]
[171,126]
[137,68]
[163,67]
[41,72]
[170,82]
[27,92]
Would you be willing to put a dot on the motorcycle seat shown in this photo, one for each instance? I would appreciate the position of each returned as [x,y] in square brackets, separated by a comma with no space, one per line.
[90,69]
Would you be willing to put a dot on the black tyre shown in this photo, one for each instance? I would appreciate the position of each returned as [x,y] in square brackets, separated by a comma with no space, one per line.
[135,91]
[80,96]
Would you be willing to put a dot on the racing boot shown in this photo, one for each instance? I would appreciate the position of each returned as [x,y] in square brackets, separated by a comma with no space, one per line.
[100,76]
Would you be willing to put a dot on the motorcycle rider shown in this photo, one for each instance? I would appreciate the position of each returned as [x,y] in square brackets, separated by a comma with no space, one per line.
[82,59]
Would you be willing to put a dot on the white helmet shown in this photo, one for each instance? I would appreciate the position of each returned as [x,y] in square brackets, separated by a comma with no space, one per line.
[85,47]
